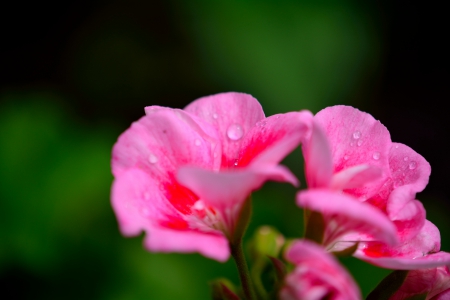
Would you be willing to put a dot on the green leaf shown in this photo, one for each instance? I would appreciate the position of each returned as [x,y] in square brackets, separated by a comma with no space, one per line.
[388,286]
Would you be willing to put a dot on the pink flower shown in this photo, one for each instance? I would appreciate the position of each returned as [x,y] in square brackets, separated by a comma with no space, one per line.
[317,275]
[432,284]
[344,161]
[183,175]
[350,156]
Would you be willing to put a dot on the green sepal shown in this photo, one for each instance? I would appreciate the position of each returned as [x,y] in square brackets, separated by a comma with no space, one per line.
[315,227]
[388,286]
[223,289]
[242,222]
[348,251]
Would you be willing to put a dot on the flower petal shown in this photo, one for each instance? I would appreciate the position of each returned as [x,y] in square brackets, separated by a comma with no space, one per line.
[407,213]
[344,214]
[316,275]
[212,245]
[417,253]
[356,138]
[355,177]
[139,203]
[273,138]
[408,168]
[318,159]
[233,115]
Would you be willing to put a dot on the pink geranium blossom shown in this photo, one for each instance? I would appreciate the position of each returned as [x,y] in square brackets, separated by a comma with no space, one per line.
[341,168]
[183,175]
[350,156]
[317,275]
[432,284]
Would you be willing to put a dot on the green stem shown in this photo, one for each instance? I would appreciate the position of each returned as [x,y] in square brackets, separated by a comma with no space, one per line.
[237,252]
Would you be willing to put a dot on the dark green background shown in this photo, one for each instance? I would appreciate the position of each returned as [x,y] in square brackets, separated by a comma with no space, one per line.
[74,75]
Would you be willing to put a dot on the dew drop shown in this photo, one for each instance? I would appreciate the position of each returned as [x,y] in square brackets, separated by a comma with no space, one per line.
[346,157]
[406,158]
[215,116]
[199,205]
[376,155]
[412,165]
[235,163]
[359,143]
[235,132]
[152,159]
[356,135]
[396,146]
[197,142]
[398,183]
[352,144]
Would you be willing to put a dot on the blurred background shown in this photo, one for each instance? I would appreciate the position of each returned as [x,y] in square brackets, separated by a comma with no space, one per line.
[75,74]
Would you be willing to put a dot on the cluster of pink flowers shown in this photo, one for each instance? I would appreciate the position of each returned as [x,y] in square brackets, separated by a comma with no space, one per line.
[185,176]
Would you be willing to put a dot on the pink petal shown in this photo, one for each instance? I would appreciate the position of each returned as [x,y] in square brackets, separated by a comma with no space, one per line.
[407,213]
[318,159]
[408,168]
[233,115]
[316,275]
[347,214]
[356,138]
[139,203]
[159,144]
[211,245]
[224,190]
[420,252]
[273,138]
[355,177]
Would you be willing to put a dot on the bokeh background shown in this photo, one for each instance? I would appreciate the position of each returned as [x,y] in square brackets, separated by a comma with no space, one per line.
[75,74]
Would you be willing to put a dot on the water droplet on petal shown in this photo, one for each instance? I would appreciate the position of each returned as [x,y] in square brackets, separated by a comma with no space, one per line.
[199,205]
[215,116]
[356,135]
[352,144]
[376,155]
[197,142]
[235,162]
[152,159]
[396,146]
[235,132]
[412,165]
[346,157]
[359,143]
[406,158]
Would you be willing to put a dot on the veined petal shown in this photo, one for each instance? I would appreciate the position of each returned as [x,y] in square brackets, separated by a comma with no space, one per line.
[355,177]
[212,245]
[408,167]
[318,159]
[233,115]
[273,138]
[356,138]
[420,252]
[154,144]
[344,214]
[139,203]
[407,213]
